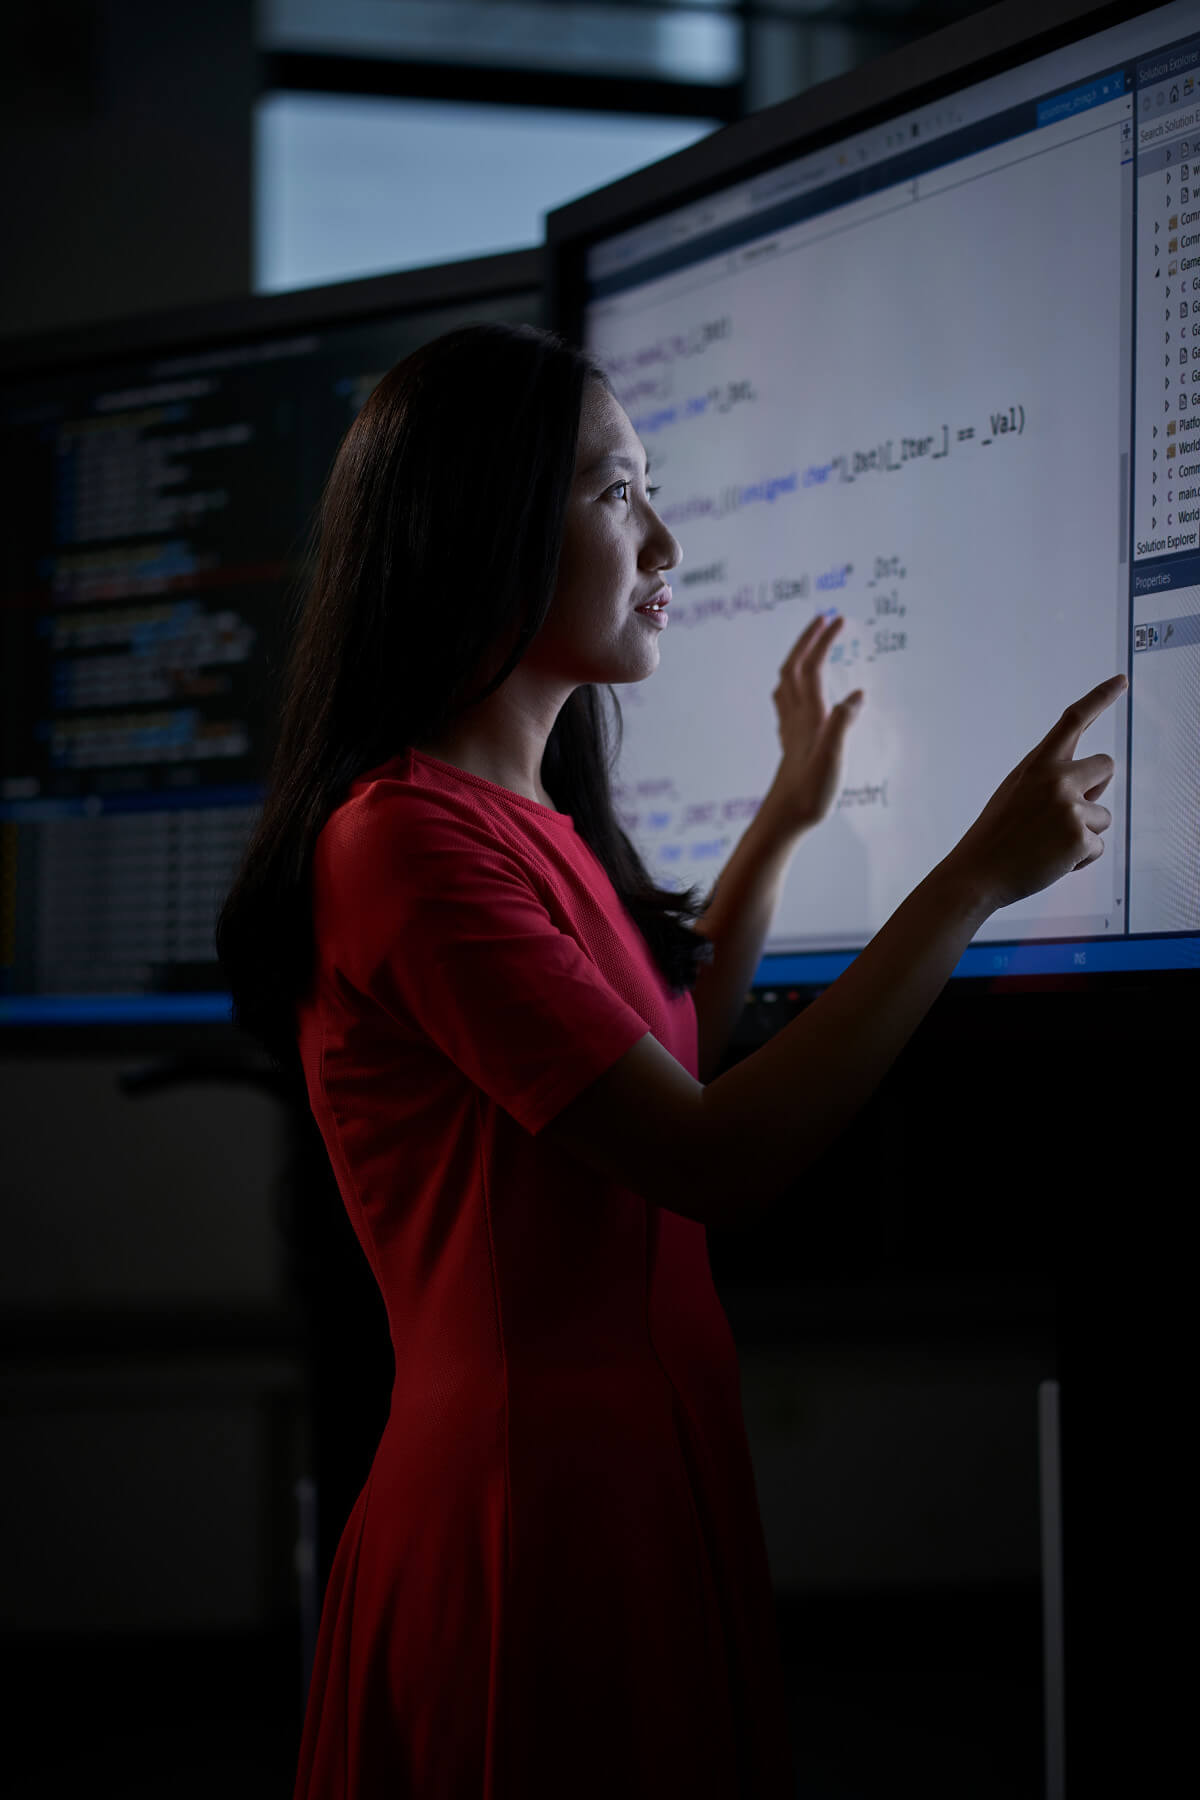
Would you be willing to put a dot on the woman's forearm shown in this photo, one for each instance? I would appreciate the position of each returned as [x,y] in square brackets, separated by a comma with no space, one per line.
[789,1100]
[736,923]
[723,1153]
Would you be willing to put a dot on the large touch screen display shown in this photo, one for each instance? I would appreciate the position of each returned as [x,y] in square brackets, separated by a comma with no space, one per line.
[944,377]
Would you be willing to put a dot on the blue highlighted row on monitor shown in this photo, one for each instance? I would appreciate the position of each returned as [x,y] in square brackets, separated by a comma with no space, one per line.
[114,1009]
[997,961]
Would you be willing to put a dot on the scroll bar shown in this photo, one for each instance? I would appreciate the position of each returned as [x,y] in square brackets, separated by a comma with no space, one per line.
[1123,527]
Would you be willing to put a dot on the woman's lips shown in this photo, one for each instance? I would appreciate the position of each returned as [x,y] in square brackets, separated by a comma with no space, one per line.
[655,609]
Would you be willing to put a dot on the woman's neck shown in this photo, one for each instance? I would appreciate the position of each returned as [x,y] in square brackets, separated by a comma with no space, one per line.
[502,739]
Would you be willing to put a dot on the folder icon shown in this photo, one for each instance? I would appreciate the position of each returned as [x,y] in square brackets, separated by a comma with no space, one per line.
[1170,428]
[1172,268]
[1170,449]
[1173,222]
[1172,245]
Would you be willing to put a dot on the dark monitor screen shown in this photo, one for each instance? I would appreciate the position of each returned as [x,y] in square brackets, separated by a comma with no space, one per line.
[923,345]
[160,478]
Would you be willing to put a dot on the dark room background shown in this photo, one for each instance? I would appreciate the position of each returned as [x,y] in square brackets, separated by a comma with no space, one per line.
[899,1321]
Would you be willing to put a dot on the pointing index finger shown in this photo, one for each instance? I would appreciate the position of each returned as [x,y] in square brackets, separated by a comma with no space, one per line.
[1064,736]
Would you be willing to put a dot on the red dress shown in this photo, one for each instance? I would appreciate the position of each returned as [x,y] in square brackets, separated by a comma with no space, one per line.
[554,1582]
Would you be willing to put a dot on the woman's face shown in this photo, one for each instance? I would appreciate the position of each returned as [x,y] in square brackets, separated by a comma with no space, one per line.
[614,554]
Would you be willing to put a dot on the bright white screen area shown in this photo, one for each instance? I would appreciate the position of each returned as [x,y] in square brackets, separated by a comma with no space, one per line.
[353,186]
[911,408]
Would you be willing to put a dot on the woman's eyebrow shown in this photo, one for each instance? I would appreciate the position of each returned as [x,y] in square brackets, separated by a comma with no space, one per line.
[614,461]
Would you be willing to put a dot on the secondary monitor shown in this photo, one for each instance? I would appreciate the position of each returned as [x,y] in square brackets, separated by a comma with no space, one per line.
[161,476]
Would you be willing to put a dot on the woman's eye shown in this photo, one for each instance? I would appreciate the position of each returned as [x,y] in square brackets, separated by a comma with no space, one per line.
[620,490]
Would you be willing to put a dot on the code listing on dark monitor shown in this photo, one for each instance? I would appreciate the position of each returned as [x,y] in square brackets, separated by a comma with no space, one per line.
[159,510]
[941,374]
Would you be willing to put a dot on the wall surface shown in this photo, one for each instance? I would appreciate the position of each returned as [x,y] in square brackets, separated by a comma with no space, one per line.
[125,140]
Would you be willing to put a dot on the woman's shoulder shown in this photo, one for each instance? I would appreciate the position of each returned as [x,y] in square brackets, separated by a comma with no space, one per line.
[393,807]
[412,806]
[426,787]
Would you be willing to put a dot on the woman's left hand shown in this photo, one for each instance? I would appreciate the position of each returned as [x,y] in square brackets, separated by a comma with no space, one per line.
[811,732]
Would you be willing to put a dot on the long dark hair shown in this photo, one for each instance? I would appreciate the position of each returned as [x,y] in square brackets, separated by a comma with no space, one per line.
[435,561]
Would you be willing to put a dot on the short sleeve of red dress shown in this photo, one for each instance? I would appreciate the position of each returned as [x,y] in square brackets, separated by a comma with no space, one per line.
[461,930]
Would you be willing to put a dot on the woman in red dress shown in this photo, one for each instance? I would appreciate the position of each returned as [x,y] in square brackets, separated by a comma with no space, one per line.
[554,1580]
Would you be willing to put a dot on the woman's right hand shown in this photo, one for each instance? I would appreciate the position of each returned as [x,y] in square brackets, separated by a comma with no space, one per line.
[1045,818]
[649,1126]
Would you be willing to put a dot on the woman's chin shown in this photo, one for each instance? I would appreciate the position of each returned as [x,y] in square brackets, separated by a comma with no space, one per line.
[643,665]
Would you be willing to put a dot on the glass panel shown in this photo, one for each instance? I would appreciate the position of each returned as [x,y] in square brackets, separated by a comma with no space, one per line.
[669,43]
[348,186]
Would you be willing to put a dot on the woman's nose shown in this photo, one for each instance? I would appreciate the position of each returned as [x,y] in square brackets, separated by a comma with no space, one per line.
[662,550]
